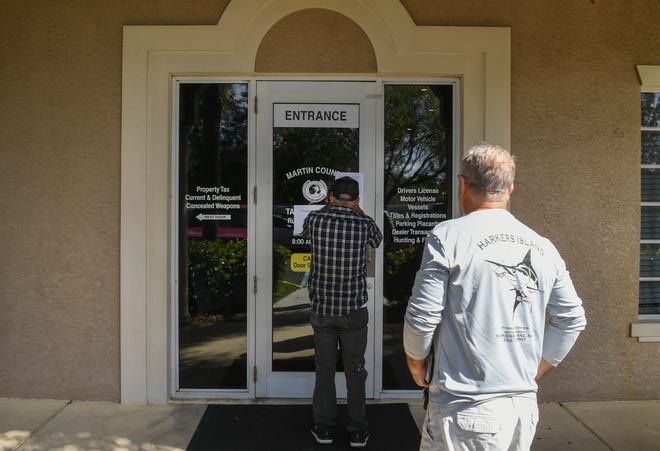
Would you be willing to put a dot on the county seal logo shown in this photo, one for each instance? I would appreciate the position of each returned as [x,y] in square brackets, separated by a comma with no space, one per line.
[314,191]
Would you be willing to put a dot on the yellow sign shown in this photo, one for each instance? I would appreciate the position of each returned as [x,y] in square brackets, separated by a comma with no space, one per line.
[301,262]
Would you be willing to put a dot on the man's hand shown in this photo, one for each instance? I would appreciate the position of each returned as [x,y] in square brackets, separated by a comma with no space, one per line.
[544,367]
[417,371]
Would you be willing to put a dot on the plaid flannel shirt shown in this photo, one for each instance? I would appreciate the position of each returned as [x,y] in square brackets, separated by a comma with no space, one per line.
[338,276]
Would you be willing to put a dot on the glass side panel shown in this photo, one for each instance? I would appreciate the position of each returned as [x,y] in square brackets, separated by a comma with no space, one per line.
[212,235]
[650,185]
[649,298]
[650,223]
[418,149]
[649,260]
[305,161]
[651,109]
[650,147]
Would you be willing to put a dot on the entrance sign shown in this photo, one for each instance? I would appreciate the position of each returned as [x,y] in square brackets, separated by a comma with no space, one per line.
[316,115]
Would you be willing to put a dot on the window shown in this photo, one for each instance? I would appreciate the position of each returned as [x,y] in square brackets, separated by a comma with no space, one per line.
[418,151]
[647,328]
[212,239]
[649,264]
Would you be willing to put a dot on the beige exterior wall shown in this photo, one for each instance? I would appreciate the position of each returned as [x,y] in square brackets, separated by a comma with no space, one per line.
[575,131]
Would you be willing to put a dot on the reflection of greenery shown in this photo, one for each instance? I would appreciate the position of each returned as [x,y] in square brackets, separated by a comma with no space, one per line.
[212,146]
[417,137]
[218,276]
[281,256]
[401,265]
[649,260]
[214,134]
[651,109]
[650,118]
[418,143]
[650,252]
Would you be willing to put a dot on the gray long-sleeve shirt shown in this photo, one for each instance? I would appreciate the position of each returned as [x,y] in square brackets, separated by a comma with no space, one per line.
[483,290]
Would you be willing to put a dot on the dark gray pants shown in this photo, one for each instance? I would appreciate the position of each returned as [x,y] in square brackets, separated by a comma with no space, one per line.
[350,332]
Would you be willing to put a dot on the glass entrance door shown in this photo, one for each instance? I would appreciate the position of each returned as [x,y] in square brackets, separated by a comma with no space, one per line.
[244,179]
[307,133]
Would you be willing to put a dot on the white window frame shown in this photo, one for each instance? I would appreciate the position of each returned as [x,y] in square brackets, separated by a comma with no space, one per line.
[647,327]
[176,392]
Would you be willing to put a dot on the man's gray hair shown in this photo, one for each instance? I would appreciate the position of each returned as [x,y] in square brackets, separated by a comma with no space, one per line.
[489,171]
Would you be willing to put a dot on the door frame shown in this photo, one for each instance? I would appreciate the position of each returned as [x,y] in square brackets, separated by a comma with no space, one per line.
[268,91]
[192,393]
[479,56]
[259,264]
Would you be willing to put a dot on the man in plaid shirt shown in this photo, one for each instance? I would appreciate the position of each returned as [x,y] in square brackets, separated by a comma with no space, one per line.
[339,235]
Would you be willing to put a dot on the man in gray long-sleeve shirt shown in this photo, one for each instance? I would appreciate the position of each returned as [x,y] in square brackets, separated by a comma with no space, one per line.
[481,297]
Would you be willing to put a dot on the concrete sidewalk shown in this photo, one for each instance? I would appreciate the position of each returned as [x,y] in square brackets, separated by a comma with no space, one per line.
[81,425]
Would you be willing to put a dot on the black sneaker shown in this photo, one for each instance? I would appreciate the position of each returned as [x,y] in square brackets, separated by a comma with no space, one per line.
[323,435]
[358,439]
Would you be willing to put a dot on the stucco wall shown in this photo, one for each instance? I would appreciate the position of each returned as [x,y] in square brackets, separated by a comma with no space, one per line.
[60,94]
[315,41]
[575,131]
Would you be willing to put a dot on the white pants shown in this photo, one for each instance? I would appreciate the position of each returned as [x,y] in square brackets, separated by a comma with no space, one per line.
[499,424]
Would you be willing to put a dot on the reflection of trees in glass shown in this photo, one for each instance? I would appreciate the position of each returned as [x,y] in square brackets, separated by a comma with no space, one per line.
[217,274]
[649,260]
[214,136]
[293,148]
[212,153]
[650,147]
[213,142]
[651,109]
[401,266]
[212,271]
[650,118]
[281,256]
[418,144]
[417,137]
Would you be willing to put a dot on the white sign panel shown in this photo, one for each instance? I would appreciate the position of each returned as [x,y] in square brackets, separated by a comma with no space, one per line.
[316,115]
[300,212]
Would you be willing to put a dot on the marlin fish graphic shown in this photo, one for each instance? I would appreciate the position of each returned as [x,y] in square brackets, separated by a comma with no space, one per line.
[521,276]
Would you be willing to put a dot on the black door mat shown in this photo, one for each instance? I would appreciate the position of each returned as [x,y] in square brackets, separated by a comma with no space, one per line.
[267,427]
